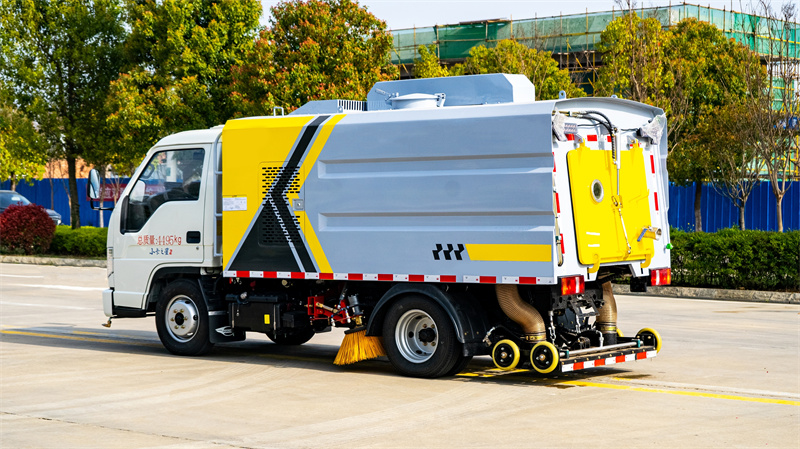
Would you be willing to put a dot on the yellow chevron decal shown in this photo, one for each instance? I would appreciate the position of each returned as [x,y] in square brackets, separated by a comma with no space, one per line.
[249,143]
[308,164]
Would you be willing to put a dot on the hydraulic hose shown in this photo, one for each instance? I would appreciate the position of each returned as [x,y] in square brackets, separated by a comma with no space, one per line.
[607,315]
[521,312]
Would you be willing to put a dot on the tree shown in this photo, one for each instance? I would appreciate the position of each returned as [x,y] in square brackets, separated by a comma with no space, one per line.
[428,66]
[59,57]
[510,56]
[706,70]
[23,150]
[314,50]
[688,72]
[179,57]
[736,166]
[633,60]
[774,98]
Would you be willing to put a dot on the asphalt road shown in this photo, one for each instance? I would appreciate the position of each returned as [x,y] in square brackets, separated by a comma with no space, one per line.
[727,376]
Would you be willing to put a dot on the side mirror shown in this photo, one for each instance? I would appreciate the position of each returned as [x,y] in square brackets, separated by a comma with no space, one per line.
[93,186]
[93,191]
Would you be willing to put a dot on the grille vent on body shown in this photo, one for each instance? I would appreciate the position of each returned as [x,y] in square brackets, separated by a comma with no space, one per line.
[278,225]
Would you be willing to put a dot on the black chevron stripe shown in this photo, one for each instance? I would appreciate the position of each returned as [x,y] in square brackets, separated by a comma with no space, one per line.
[284,183]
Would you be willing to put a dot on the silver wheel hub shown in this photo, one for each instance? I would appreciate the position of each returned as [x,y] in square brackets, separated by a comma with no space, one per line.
[416,336]
[182,318]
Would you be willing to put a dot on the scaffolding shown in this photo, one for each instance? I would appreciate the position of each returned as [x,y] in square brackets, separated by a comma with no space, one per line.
[573,39]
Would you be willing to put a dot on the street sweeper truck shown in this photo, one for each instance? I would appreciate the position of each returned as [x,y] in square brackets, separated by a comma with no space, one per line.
[438,220]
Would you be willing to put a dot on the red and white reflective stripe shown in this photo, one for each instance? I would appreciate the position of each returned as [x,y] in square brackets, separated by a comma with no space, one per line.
[593,141]
[608,361]
[558,204]
[655,196]
[446,278]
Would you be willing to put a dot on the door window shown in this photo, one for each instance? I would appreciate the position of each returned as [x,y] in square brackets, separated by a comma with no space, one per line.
[172,175]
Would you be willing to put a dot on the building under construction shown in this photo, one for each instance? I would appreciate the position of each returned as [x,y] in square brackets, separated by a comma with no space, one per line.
[573,38]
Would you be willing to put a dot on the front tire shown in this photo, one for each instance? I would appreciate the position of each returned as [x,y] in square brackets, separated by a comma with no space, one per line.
[182,319]
[420,339]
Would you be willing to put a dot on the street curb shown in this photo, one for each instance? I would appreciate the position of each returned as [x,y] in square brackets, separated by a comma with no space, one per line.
[714,294]
[619,289]
[58,261]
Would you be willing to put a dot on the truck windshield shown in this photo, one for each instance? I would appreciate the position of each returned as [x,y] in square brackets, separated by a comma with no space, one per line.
[172,175]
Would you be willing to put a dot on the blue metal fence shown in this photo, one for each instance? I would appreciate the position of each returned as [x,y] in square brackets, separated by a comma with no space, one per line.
[718,211]
[40,193]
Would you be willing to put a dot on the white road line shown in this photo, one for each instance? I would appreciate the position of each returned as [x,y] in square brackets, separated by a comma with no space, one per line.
[20,276]
[50,306]
[61,287]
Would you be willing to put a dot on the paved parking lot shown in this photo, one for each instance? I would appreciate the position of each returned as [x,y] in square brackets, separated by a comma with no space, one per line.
[728,376]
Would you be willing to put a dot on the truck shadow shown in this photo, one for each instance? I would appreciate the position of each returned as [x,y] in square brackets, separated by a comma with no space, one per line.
[263,352]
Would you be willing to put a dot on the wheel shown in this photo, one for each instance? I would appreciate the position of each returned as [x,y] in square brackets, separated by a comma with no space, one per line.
[544,357]
[460,365]
[505,355]
[292,337]
[182,319]
[420,338]
[650,337]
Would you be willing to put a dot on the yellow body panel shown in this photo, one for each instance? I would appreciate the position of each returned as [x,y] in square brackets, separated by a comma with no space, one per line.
[510,252]
[271,139]
[598,227]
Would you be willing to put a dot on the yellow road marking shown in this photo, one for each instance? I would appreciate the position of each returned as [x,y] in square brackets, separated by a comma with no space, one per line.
[491,372]
[578,383]
[76,338]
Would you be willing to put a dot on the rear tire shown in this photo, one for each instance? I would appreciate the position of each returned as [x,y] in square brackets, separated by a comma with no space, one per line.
[420,339]
[182,319]
[460,365]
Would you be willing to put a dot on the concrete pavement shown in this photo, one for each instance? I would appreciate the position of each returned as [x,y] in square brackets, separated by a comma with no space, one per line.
[728,376]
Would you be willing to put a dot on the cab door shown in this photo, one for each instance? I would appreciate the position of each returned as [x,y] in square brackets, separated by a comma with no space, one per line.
[161,221]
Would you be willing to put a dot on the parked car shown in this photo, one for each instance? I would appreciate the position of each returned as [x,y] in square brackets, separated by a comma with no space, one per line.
[10,197]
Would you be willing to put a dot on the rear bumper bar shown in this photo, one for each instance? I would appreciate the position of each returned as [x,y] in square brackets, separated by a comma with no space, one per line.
[604,358]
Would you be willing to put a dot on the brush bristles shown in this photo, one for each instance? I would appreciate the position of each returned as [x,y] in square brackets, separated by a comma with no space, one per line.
[357,346]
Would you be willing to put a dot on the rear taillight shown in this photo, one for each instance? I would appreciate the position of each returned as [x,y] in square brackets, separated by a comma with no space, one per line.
[572,285]
[661,276]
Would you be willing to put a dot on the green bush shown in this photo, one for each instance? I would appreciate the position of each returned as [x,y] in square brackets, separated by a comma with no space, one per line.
[734,259]
[84,241]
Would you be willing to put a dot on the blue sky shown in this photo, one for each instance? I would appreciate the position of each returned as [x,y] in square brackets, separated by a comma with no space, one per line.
[422,13]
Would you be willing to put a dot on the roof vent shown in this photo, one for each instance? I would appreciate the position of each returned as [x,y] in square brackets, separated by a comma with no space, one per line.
[417,101]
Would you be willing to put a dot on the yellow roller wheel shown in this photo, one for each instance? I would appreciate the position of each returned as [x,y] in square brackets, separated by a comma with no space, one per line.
[544,357]
[505,355]
[650,337]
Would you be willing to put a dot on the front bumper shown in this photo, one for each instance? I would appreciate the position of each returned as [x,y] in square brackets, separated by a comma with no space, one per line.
[108,302]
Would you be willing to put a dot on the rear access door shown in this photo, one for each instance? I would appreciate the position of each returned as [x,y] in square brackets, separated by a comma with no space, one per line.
[610,205]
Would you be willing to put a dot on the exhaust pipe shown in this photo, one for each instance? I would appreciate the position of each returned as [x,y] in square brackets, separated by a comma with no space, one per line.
[607,316]
[521,312]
